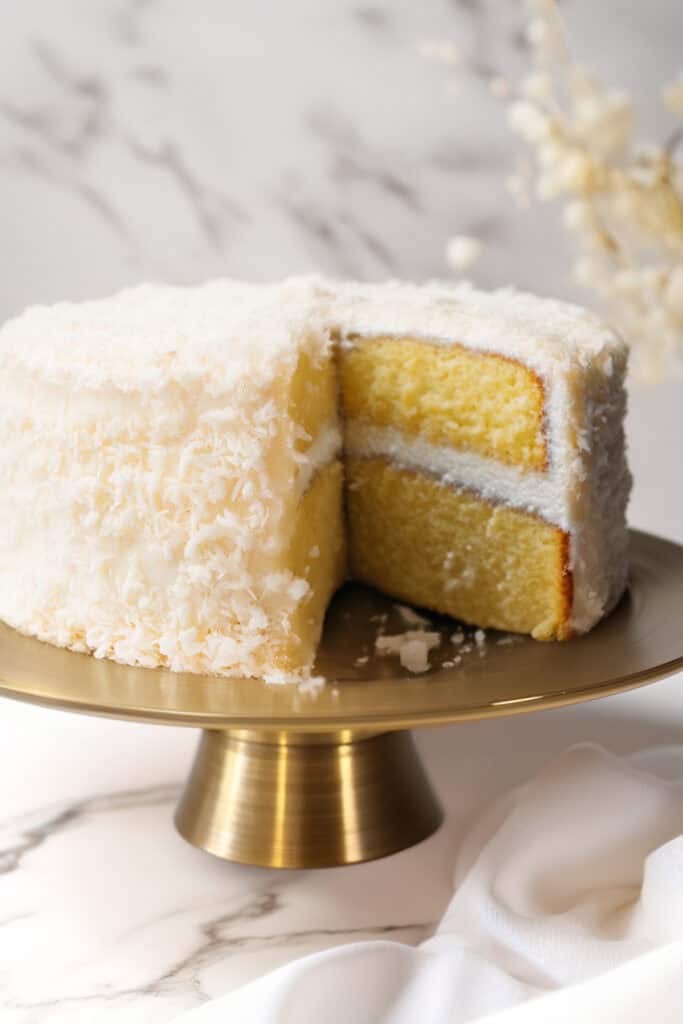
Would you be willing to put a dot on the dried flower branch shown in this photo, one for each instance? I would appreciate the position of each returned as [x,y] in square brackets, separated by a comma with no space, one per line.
[622,199]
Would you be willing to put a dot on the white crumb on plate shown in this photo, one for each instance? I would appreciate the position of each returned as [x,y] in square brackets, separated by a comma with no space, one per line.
[414,654]
[312,686]
[363,660]
[412,647]
[410,617]
[480,638]
[458,638]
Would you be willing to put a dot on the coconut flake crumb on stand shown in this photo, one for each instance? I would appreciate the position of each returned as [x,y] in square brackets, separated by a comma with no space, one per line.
[413,648]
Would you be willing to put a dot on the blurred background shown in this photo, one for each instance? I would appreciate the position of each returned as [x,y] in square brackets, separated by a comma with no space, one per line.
[157,139]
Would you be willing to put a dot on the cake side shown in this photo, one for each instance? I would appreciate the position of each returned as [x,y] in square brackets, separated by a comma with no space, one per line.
[600,494]
[150,513]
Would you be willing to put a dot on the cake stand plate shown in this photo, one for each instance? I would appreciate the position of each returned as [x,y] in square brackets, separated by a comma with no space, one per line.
[289,776]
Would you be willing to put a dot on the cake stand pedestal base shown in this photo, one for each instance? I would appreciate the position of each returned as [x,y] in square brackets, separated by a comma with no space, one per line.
[293,800]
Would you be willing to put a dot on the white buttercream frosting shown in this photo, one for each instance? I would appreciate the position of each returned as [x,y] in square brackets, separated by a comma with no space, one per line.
[493,480]
[150,470]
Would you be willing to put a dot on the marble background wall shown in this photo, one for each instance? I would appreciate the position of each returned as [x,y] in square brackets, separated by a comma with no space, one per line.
[172,140]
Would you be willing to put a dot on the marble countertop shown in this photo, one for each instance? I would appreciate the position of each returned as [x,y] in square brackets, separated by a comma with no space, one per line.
[145,139]
[107,914]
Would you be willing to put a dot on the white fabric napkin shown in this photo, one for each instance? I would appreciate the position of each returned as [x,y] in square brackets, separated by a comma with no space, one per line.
[567,906]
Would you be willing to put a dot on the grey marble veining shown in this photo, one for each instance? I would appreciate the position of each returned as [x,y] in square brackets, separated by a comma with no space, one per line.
[156,948]
[20,836]
[138,140]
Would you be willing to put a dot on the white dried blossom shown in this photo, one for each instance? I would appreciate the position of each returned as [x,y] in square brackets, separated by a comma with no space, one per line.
[601,118]
[578,216]
[529,121]
[462,252]
[545,34]
[623,200]
[538,86]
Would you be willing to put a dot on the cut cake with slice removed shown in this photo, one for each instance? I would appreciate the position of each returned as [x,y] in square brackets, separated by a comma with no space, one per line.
[172,469]
[485,454]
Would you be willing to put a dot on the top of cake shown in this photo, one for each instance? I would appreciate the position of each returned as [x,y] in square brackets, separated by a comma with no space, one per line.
[151,335]
[225,330]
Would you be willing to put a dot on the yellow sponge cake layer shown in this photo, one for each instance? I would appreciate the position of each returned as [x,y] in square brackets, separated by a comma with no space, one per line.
[317,554]
[313,396]
[449,395]
[450,550]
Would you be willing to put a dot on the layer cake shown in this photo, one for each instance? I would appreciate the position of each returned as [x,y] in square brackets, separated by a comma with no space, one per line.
[188,474]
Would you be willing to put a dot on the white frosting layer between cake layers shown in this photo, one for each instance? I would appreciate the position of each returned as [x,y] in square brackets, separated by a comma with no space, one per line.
[492,480]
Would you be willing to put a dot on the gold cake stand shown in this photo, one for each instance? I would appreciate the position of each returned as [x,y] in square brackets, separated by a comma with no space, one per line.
[286,778]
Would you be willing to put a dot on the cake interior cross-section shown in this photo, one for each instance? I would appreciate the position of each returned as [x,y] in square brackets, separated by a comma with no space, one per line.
[188,474]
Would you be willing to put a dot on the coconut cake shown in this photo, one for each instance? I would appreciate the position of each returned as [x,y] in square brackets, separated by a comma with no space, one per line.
[188,474]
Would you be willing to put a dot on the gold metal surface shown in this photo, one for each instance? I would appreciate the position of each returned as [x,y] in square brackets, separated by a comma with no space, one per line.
[291,778]
[292,801]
